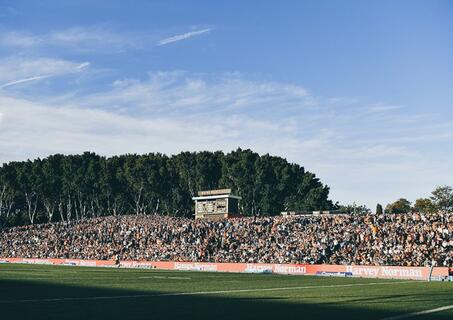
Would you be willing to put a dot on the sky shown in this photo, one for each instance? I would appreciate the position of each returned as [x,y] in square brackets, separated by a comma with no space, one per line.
[358,92]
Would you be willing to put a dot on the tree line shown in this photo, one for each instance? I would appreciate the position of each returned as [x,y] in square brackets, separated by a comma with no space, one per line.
[72,187]
[441,200]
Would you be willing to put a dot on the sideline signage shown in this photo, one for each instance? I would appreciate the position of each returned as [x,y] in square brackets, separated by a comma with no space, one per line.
[382,272]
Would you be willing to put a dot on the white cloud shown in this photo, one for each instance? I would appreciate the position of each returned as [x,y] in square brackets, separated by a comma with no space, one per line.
[19,39]
[81,39]
[183,36]
[91,39]
[32,129]
[377,108]
[179,93]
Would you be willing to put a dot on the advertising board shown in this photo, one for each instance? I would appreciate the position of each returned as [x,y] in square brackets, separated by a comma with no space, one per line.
[382,272]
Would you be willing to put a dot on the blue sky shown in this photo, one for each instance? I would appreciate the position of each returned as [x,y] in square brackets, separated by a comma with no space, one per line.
[358,92]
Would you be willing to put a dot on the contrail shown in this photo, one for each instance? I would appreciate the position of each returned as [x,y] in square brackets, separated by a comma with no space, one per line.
[80,67]
[183,36]
[25,80]
[83,65]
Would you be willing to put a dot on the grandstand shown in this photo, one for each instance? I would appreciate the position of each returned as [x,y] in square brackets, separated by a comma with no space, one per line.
[411,240]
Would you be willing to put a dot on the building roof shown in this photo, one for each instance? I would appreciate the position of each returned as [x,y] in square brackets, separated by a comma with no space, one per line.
[220,196]
[214,192]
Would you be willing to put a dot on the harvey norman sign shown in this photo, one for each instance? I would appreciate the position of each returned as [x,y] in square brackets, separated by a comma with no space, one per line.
[387,272]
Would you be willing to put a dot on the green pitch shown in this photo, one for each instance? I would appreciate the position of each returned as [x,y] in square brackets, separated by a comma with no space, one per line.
[56,292]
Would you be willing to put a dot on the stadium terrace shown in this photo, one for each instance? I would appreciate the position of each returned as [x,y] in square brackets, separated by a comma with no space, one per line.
[411,239]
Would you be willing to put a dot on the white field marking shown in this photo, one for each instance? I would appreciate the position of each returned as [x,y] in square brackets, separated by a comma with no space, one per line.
[21,271]
[74,279]
[164,277]
[99,279]
[174,294]
[419,313]
[22,279]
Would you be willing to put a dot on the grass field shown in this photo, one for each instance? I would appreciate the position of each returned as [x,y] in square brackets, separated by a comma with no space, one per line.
[58,292]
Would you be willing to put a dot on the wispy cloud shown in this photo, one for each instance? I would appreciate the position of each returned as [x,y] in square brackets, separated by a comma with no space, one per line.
[82,39]
[378,108]
[92,39]
[177,93]
[19,39]
[183,36]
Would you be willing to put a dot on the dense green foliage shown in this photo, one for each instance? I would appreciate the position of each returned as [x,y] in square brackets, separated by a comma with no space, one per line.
[441,200]
[57,292]
[424,205]
[399,206]
[72,187]
[379,209]
[352,208]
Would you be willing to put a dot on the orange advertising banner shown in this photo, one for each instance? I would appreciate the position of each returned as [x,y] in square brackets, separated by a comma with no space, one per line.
[383,272]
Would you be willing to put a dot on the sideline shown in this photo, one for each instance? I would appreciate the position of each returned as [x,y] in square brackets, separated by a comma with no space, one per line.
[201,292]
[419,313]
[164,277]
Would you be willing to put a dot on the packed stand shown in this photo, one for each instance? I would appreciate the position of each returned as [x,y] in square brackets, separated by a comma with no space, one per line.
[403,239]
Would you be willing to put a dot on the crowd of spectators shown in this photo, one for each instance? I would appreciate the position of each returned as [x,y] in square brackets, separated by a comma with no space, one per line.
[391,239]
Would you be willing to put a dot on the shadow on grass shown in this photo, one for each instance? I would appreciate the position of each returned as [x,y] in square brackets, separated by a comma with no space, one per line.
[164,307]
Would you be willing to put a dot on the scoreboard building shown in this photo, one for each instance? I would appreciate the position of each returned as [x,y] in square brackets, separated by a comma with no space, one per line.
[216,204]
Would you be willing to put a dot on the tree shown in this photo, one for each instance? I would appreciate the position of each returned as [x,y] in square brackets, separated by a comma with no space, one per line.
[399,206]
[354,209]
[239,174]
[136,178]
[6,203]
[29,183]
[51,185]
[379,209]
[424,205]
[442,197]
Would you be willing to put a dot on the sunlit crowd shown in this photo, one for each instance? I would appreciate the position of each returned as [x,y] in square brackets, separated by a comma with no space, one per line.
[392,239]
